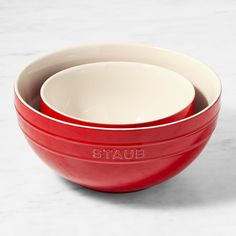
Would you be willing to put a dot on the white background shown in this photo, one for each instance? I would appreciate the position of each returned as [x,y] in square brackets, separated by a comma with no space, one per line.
[199,201]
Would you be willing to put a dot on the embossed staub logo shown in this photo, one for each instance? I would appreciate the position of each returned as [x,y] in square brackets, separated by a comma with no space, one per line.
[118,154]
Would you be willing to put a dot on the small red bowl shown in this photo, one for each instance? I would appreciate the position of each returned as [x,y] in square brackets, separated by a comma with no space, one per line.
[117,95]
[115,159]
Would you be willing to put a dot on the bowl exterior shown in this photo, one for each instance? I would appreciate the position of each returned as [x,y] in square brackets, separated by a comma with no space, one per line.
[119,152]
[115,177]
[116,167]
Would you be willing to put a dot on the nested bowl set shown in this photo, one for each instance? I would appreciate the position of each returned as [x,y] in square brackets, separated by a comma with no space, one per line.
[117,117]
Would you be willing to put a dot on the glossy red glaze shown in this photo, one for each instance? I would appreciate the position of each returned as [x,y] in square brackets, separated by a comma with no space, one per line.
[115,177]
[116,160]
[105,166]
[186,112]
[117,152]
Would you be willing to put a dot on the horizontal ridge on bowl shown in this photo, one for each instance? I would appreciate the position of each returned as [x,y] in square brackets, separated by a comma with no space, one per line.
[117,152]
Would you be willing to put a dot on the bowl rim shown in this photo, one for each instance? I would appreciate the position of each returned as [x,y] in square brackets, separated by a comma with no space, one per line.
[17,93]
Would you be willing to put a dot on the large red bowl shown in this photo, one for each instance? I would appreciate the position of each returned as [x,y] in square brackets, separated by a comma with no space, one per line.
[109,159]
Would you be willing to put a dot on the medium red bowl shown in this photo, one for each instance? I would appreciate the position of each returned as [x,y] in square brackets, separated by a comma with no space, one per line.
[117,95]
[117,160]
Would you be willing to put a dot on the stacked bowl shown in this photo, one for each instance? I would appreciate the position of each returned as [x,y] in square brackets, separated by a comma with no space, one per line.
[103,153]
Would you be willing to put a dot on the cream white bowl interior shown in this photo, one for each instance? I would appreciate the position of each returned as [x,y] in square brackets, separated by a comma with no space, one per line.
[117,93]
[206,82]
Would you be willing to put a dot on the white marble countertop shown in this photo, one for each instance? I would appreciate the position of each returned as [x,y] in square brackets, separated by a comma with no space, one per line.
[199,201]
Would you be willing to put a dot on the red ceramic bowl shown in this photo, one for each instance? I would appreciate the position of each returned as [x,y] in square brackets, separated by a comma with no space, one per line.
[117,95]
[114,159]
